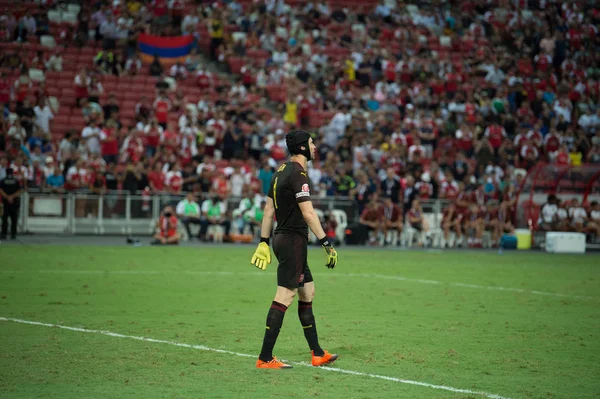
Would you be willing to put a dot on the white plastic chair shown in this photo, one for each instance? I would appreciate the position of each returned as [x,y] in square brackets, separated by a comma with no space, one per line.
[342,222]
[216,231]
[47,41]
[74,8]
[54,16]
[37,75]
[69,17]
[435,231]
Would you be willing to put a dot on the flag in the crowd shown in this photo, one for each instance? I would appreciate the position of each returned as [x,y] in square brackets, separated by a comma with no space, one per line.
[169,49]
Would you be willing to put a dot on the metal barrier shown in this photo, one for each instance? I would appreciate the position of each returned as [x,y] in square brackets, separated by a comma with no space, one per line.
[118,212]
[122,213]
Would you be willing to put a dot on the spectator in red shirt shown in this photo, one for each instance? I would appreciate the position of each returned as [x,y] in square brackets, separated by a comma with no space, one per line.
[156,178]
[452,221]
[474,225]
[562,157]
[391,219]
[162,106]
[495,134]
[82,83]
[170,138]
[371,220]
[109,142]
[153,133]
[5,90]
[174,179]
[529,154]
[167,228]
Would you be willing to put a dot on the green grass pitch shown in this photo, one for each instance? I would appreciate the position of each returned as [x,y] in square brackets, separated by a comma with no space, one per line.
[520,325]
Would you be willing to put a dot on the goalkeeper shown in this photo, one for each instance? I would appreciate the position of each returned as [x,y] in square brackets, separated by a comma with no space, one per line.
[289,200]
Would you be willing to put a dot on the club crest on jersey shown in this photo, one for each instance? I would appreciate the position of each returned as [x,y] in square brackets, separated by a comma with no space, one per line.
[305,191]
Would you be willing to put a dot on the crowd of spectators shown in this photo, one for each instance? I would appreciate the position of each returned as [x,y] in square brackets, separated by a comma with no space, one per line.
[406,102]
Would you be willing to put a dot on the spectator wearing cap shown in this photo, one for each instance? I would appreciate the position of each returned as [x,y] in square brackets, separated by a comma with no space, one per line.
[10,192]
[55,182]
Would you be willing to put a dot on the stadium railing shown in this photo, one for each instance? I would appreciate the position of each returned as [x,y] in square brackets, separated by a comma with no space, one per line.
[119,212]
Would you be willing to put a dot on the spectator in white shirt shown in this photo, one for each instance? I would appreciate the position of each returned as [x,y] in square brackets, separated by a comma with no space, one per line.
[549,215]
[188,211]
[280,57]
[55,62]
[416,150]
[189,23]
[17,132]
[578,215]
[178,71]
[589,121]
[43,115]
[563,107]
[594,222]
[91,134]
[237,182]
[133,66]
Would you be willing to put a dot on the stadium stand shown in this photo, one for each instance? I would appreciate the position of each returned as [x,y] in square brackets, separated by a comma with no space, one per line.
[444,103]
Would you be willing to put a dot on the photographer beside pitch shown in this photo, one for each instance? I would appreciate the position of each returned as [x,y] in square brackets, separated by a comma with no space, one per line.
[289,200]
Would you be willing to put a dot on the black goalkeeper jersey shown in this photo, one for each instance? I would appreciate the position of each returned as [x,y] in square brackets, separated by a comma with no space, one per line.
[290,185]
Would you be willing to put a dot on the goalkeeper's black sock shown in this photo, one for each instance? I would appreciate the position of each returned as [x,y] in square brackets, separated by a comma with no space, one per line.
[274,323]
[307,319]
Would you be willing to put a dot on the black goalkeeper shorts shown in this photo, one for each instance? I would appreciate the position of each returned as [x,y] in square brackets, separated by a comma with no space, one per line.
[291,251]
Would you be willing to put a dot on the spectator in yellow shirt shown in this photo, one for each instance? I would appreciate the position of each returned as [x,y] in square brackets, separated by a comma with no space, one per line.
[349,71]
[291,111]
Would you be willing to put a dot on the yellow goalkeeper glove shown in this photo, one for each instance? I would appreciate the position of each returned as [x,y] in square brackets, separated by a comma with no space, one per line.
[331,256]
[262,256]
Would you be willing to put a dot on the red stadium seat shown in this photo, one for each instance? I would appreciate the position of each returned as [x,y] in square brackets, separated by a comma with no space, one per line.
[235,64]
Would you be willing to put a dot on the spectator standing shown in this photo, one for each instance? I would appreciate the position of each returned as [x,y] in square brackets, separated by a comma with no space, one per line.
[43,116]
[10,192]
[91,134]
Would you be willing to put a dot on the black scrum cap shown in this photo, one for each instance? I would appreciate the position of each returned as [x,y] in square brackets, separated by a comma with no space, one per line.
[295,140]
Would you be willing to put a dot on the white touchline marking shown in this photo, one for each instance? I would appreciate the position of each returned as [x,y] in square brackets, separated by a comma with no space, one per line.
[360,275]
[224,351]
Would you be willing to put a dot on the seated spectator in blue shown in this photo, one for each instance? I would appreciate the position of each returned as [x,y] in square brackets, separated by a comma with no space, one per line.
[56,181]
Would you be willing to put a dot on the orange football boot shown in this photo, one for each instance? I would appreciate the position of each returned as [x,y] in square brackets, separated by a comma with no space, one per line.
[324,360]
[273,364]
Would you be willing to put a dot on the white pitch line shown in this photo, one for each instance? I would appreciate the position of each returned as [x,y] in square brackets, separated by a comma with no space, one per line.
[224,351]
[360,275]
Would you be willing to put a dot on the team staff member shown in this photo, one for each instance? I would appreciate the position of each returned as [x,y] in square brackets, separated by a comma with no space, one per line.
[168,228]
[289,200]
[10,192]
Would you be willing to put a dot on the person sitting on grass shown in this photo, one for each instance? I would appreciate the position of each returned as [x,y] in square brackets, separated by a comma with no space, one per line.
[167,225]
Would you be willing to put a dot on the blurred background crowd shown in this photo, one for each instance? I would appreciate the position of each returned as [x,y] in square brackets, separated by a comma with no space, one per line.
[407,101]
